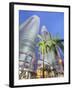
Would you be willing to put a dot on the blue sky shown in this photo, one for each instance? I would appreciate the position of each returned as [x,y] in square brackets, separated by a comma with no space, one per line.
[54,21]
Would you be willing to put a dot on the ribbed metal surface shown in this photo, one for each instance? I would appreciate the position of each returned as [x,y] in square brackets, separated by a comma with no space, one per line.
[27,36]
[28,33]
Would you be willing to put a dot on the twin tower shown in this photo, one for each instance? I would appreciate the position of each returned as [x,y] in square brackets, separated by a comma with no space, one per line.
[27,35]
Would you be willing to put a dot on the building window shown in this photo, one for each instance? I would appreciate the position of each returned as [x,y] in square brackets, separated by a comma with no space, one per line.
[28,61]
[22,57]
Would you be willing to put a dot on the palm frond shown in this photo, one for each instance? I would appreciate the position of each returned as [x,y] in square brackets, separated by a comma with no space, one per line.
[40,37]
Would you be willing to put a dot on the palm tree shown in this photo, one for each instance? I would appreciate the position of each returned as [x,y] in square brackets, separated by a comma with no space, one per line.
[51,44]
[42,49]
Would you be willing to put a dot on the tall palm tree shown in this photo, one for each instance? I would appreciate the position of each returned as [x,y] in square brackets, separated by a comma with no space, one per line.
[42,49]
[51,44]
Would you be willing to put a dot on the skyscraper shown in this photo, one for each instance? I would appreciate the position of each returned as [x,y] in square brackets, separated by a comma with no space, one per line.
[27,36]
